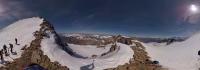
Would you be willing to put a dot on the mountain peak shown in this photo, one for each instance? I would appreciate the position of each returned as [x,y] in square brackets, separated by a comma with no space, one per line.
[29,34]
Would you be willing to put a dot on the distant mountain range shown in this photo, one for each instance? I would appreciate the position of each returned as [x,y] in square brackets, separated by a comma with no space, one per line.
[142,39]
[161,40]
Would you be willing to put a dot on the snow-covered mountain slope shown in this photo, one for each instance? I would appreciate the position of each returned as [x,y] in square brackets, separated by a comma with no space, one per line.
[22,30]
[111,60]
[28,33]
[178,55]
[44,47]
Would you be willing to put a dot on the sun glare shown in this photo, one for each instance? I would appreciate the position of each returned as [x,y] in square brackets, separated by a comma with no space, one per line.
[194,8]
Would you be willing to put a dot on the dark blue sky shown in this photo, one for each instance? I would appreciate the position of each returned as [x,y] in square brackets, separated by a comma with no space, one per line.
[152,18]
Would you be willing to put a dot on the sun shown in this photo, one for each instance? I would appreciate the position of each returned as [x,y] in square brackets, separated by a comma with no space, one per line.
[194,8]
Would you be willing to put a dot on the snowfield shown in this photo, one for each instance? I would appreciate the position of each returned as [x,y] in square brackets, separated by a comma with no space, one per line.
[89,50]
[23,31]
[52,50]
[178,55]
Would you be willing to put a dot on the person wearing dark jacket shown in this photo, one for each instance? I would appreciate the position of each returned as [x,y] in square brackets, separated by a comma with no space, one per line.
[199,52]
[16,41]
[1,55]
[5,50]
[11,48]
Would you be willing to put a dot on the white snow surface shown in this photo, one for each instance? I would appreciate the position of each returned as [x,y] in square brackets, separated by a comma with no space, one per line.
[22,30]
[89,50]
[52,50]
[178,55]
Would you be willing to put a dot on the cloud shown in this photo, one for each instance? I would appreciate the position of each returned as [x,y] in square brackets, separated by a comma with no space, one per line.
[13,9]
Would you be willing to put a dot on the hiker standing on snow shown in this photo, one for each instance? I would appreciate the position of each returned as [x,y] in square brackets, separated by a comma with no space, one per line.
[1,55]
[16,41]
[5,50]
[11,48]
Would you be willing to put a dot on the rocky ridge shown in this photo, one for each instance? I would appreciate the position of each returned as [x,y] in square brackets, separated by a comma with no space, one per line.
[33,54]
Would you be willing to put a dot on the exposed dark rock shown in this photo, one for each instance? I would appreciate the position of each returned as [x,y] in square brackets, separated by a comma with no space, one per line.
[112,49]
[155,62]
[124,40]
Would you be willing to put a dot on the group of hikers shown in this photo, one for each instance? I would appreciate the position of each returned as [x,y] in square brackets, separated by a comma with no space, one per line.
[5,50]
